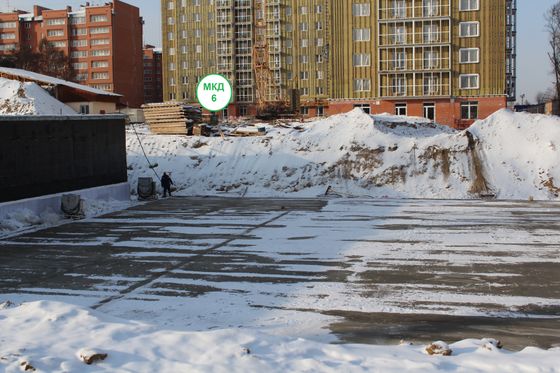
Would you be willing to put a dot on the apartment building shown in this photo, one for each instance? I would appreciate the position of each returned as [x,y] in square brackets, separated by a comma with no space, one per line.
[452,61]
[153,75]
[104,43]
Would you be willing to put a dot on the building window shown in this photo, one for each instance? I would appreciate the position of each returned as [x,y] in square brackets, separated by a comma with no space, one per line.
[431,59]
[100,42]
[79,43]
[469,29]
[399,60]
[78,54]
[100,52]
[469,81]
[99,30]
[400,109]
[430,111]
[77,20]
[7,47]
[58,44]
[398,34]
[99,64]
[304,110]
[361,10]
[431,85]
[469,110]
[100,76]
[320,111]
[56,21]
[84,109]
[361,60]
[79,31]
[7,24]
[55,33]
[431,33]
[430,8]
[98,18]
[366,108]
[362,85]
[7,36]
[469,55]
[80,66]
[466,5]
[399,86]
[361,34]
[398,9]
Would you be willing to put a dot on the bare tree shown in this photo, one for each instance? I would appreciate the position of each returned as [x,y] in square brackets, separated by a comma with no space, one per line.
[25,59]
[545,96]
[552,19]
[54,62]
[49,61]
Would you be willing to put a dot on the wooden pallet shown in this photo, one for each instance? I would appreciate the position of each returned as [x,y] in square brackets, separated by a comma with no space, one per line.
[171,118]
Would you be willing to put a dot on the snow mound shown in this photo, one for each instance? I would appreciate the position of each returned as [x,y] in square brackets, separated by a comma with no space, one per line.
[522,153]
[18,98]
[507,155]
[51,336]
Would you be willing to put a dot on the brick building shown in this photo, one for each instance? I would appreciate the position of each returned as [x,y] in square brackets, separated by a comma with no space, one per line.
[104,43]
[153,83]
[449,60]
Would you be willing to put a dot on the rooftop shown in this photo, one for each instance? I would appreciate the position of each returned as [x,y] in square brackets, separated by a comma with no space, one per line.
[45,79]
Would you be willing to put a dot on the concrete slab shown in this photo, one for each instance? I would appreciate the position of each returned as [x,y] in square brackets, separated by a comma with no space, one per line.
[362,270]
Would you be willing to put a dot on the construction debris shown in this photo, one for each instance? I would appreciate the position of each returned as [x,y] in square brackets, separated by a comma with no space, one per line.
[172,118]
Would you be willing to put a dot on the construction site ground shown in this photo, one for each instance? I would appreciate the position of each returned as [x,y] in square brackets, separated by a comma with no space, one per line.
[345,270]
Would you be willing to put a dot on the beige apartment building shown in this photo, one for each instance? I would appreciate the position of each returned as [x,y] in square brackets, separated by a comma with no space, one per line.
[448,60]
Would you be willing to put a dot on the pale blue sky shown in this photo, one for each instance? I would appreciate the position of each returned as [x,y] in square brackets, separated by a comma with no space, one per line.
[533,72]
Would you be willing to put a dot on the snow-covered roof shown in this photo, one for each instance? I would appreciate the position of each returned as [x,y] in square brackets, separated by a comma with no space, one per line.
[55,81]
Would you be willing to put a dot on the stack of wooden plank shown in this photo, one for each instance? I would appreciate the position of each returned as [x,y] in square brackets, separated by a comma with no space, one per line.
[171,118]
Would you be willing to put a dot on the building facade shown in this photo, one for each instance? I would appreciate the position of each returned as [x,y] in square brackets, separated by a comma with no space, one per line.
[452,61]
[153,75]
[104,43]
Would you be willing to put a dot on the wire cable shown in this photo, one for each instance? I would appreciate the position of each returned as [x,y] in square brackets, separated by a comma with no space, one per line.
[152,167]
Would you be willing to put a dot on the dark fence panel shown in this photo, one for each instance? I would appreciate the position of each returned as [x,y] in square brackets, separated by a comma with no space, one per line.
[46,155]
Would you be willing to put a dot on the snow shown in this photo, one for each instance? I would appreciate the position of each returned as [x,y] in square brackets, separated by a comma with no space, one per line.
[513,156]
[18,98]
[54,81]
[31,334]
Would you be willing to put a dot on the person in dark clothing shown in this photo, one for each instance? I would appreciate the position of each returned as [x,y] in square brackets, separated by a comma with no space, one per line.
[166,183]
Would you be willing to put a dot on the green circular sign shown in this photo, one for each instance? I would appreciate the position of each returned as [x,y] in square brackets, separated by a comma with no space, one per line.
[214,92]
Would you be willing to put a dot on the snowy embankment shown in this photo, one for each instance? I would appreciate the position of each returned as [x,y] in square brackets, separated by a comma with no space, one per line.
[512,156]
[71,334]
[18,98]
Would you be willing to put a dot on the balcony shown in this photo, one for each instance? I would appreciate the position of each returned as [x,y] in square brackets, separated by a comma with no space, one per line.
[390,10]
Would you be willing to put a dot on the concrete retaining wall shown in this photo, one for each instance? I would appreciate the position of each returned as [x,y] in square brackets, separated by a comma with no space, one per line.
[48,155]
[38,205]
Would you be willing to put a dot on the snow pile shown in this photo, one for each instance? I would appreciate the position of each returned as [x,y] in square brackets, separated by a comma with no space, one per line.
[521,154]
[22,219]
[18,98]
[52,336]
[508,155]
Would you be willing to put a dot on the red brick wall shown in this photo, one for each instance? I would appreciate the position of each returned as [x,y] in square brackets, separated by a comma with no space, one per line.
[448,111]
[128,53]
[153,70]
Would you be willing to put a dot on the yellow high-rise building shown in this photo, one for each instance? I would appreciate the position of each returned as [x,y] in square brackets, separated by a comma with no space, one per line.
[449,60]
